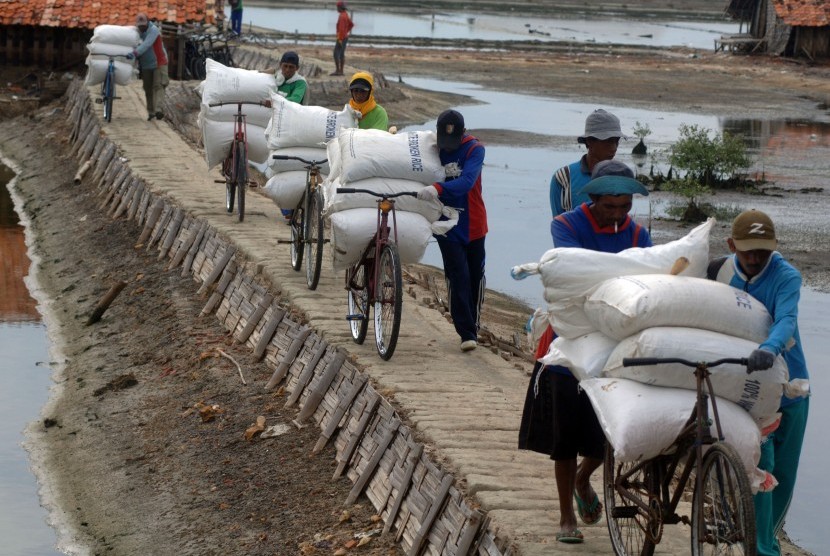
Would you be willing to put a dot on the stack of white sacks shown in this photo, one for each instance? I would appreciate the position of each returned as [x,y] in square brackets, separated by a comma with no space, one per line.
[385,163]
[605,307]
[106,41]
[224,84]
[297,130]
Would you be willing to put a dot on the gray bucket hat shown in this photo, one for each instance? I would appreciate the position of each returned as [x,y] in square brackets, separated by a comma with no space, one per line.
[601,125]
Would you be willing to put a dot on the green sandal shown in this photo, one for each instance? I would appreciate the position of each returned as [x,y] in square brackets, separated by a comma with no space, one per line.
[574,536]
[589,514]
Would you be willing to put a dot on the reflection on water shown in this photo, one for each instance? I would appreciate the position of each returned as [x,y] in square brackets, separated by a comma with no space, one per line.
[24,389]
[464,26]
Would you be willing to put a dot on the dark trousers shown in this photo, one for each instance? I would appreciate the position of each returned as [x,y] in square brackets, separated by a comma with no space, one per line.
[464,272]
[340,51]
[236,21]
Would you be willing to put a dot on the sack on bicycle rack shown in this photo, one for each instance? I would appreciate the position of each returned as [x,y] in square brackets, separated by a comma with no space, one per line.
[218,136]
[295,125]
[623,306]
[254,115]
[585,356]
[97,66]
[758,393]
[372,153]
[275,166]
[569,274]
[642,421]
[351,231]
[336,202]
[286,188]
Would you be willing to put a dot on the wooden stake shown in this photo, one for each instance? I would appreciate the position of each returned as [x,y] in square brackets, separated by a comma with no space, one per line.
[290,355]
[344,458]
[308,373]
[268,332]
[426,524]
[403,488]
[369,470]
[104,304]
[314,399]
[342,406]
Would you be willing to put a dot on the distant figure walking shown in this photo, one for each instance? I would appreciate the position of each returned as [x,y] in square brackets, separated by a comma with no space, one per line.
[344,28]
[152,62]
[236,16]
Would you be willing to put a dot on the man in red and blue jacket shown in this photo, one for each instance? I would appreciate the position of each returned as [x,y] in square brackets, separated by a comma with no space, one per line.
[462,248]
[152,61]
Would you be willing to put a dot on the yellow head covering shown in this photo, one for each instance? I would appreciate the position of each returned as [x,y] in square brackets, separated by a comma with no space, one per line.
[369,105]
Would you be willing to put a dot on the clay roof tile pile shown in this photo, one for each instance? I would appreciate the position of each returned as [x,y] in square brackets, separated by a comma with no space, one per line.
[806,13]
[89,13]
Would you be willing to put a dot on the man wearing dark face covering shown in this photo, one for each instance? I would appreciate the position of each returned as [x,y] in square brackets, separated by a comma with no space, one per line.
[152,62]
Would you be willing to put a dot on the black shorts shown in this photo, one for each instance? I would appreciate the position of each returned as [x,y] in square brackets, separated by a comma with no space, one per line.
[576,429]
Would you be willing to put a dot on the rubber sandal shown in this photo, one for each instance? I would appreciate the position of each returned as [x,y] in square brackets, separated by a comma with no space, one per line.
[574,536]
[586,511]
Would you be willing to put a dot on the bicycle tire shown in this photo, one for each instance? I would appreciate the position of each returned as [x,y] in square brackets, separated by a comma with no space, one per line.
[358,299]
[627,523]
[230,192]
[109,95]
[727,520]
[297,225]
[314,240]
[241,177]
[388,300]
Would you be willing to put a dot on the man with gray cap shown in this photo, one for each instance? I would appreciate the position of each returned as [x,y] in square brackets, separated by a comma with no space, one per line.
[601,224]
[758,269]
[601,138]
[152,62]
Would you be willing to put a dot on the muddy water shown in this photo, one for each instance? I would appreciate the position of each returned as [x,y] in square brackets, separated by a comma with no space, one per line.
[24,388]
[465,26]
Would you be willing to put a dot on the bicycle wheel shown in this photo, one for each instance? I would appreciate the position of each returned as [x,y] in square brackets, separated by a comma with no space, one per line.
[109,95]
[358,287]
[723,514]
[241,177]
[388,299]
[627,521]
[314,239]
[297,245]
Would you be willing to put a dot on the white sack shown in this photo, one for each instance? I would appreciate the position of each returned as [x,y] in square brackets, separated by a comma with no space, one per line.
[759,393]
[568,274]
[351,231]
[641,421]
[286,188]
[584,356]
[125,35]
[254,115]
[372,153]
[309,153]
[110,49]
[295,125]
[335,202]
[97,70]
[333,155]
[623,306]
[224,84]
[218,136]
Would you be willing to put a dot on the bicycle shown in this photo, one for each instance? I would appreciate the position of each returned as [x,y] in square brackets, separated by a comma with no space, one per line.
[235,165]
[307,223]
[641,497]
[108,86]
[375,279]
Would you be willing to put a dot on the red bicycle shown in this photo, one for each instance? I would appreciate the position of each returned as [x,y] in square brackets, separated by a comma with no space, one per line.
[235,165]
[375,279]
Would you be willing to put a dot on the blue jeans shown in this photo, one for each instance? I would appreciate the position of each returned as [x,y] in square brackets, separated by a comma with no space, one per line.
[236,21]
[779,456]
[464,273]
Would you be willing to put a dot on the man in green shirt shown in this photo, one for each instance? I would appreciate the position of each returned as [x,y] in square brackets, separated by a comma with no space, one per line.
[291,84]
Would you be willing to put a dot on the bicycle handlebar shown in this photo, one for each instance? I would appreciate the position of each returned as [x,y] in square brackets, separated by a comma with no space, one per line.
[376,194]
[301,159]
[642,361]
[265,103]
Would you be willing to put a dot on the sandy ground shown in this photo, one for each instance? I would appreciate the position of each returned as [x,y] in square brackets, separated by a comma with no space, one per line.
[133,429]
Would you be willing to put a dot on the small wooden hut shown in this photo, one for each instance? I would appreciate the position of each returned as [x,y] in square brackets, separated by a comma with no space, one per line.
[53,33]
[783,27]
